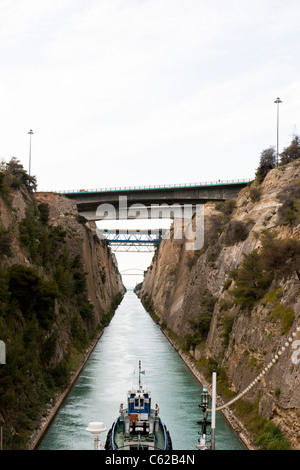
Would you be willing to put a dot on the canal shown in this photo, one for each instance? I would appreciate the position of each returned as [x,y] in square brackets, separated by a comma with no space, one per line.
[112,369]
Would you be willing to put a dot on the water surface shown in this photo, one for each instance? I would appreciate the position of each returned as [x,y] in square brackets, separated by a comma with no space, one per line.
[112,370]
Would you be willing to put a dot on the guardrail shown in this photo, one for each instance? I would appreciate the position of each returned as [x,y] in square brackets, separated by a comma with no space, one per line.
[164,186]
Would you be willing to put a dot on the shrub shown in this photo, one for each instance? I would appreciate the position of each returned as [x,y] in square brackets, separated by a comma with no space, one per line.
[227,284]
[191,259]
[227,322]
[226,207]
[286,316]
[45,302]
[292,152]
[251,281]
[61,373]
[4,190]
[236,231]
[49,348]
[267,163]
[86,309]
[44,212]
[63,277]
[280,257]
[5,243]
[200,326]
[271,438]
[33,294]
[289,212]
[255,194]
[30,231]
[207,300]
[81,219]
[225,305]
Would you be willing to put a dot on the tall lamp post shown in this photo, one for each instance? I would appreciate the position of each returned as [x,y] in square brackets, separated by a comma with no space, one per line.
[30,134]
[278,101]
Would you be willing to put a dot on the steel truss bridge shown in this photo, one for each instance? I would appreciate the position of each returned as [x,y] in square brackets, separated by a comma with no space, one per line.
[131,240]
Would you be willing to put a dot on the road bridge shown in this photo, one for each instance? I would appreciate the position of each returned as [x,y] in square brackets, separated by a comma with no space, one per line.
[139,202]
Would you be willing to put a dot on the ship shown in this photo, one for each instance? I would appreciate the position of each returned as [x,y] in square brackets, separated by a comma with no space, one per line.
[138,427]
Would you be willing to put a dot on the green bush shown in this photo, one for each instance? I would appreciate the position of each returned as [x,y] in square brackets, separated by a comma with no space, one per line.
[271,438]
[63,277]
[44,212]
[227,322]
[86,309]
[251,281]
[4,190]
[292,152]
[200,326]
[227,284]
[285,315]
[267,163]
[5,243]
[33,294]
[280,257]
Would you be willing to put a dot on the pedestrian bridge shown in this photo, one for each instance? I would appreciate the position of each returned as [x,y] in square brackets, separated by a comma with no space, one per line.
[145,202]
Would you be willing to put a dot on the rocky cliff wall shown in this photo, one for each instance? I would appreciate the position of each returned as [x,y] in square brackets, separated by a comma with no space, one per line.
[235,302]
[60,286]
[104,282]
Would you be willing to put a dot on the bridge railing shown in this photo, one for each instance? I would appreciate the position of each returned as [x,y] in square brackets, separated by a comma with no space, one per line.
[146,187]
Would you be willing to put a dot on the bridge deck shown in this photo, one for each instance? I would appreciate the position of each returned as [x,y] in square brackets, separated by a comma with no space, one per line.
[137,236]
[156,187]
[156,202]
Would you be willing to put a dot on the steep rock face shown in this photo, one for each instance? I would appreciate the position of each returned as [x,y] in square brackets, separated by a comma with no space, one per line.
[195,295]
[104,283]
[59,287]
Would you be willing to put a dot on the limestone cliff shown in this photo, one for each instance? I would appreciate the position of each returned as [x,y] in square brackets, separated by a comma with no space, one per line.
[60,285]
[104,282]
[235,302]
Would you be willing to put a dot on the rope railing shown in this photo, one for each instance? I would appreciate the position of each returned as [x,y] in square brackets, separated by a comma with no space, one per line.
[263,372]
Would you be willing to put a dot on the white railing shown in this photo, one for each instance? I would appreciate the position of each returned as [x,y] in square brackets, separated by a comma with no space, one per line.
[164,186]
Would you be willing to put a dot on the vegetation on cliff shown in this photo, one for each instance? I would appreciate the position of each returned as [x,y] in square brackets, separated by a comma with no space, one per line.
[47,319]
[249,270]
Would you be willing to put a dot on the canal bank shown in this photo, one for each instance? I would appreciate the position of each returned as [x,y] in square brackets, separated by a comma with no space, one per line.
[238,428]
[53,409]
[102,383]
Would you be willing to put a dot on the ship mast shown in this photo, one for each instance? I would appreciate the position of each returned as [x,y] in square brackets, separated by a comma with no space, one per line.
[140,385]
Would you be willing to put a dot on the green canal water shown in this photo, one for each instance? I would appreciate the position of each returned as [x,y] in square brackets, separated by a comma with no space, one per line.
[112,369]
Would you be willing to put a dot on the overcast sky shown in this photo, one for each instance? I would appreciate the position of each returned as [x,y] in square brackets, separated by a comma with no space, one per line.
[142,92]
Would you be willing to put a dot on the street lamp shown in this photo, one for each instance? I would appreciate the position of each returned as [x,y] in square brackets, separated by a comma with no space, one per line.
[30,134]
[277,101]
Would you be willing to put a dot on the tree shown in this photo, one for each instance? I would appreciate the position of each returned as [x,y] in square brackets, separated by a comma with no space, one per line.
[17,175]
[251,281]
[292,152]
[267,163]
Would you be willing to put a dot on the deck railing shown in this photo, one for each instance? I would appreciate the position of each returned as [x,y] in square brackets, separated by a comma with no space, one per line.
[146,187]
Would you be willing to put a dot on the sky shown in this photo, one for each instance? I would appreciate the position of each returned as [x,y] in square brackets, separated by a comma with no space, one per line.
[145,92]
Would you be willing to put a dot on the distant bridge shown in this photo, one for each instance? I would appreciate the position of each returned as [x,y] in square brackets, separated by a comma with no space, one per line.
[140,272]
[139,202]
[131,240]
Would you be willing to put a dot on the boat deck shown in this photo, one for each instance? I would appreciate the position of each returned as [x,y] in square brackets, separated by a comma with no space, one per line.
[150,441]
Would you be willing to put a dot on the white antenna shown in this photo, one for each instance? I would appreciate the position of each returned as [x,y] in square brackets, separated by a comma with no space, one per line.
[96,428]
[140,386]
